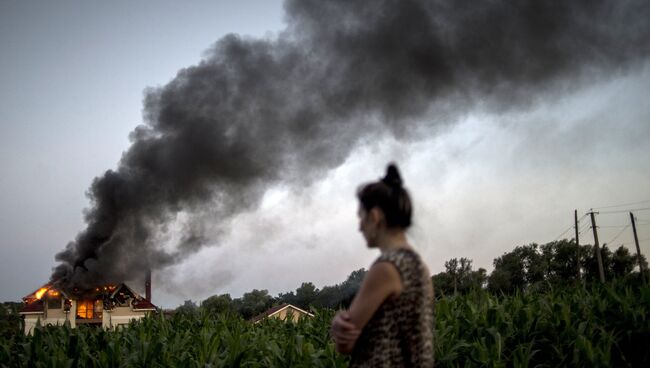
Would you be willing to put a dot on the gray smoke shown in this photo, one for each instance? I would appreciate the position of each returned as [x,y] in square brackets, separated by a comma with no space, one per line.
[255,112]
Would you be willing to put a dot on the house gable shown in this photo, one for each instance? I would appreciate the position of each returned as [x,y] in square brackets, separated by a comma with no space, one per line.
[282,312]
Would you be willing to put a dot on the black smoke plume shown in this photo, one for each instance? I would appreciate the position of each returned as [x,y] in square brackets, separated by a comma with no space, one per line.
[257,112]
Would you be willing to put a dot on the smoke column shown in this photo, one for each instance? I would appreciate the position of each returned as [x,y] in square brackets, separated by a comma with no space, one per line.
[258,112]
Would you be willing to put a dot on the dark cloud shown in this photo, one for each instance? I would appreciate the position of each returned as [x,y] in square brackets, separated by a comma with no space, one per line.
[257,112]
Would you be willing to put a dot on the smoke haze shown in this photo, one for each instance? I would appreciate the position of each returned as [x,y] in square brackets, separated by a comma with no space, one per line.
[258,112]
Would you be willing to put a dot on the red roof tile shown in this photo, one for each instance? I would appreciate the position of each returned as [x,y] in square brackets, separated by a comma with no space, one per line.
[144,304]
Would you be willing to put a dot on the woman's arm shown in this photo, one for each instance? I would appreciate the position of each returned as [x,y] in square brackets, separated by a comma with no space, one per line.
[345,334]
[381,283]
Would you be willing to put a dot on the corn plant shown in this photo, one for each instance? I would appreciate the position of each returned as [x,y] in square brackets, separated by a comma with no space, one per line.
[601,326]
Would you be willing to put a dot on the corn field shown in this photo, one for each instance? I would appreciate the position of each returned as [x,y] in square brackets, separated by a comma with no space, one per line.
[602,326]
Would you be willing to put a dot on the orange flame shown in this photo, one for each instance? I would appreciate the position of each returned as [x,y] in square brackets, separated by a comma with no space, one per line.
[40,292]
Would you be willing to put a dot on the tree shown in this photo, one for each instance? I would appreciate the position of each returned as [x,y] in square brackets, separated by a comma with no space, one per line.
[188,307]
[218,303]
[517,270]
[589,262]
[458,277]
[339,295]
[11,323]
[350,286]
[623,262]
[560,257]
[289,298]
[508,274]
[306,295]
[555,263]
[253,303]
[478,278]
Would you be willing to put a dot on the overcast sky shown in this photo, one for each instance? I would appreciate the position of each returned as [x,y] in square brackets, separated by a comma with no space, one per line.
[72,81]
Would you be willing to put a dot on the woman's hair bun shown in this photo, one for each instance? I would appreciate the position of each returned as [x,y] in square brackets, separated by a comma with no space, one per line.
[390,197]
[392,178]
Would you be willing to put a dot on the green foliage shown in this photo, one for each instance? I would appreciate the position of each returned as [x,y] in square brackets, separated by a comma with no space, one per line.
[458,277]
[305,295]
[218,303]
[335,296]
[189,339]
[515,270]
[568,326]
[253,303]
[537,267]
[10,321]
[187,307]
[605,326]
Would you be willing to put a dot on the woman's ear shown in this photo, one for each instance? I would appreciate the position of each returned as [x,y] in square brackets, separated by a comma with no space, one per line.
[376,216]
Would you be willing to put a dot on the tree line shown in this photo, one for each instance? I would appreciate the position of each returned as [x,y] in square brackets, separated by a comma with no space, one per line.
[306,296]
[536,266]
[527,267]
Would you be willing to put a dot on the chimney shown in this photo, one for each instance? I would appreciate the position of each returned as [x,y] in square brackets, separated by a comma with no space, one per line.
[147,284]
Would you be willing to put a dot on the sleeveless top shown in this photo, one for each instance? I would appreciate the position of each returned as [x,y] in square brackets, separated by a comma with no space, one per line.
[400,333]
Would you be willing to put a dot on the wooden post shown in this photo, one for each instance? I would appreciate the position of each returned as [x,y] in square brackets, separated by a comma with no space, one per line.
[601,270]
[638,249]
[575,218]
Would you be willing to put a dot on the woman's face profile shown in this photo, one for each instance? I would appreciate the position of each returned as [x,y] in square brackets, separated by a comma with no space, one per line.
[366,227]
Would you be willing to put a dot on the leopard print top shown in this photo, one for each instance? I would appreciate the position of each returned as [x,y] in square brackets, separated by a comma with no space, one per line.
[400,333]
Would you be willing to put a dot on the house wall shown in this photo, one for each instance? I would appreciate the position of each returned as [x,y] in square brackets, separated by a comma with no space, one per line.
[55,319]
[55,314]
[283,314]
[120,316]
[30,322]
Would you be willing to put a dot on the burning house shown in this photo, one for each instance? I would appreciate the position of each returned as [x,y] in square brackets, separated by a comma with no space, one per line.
[108,306]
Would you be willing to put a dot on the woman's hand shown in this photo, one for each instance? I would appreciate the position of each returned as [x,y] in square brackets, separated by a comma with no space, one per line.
[344,332]
[382,282]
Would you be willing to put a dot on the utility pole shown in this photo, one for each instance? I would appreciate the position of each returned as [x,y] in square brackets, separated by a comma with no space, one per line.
[638,250]
[575,218]
[601,271]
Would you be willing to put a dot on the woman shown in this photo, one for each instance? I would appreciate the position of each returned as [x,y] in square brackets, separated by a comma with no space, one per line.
[390,320]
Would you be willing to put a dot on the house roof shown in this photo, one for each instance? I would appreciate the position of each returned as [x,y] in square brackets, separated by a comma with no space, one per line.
[36,307]
[125,287]
[43,289]
[277,309]
[34,302]
[143,304]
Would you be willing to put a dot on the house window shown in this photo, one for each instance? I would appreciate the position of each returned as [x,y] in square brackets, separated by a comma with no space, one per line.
[89,309]
[54,303]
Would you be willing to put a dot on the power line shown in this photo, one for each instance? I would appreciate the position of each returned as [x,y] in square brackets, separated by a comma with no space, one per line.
[640,240]
[617,235]
[585,227]
[570,228]
[622,205]
[628,210]
[564,232]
